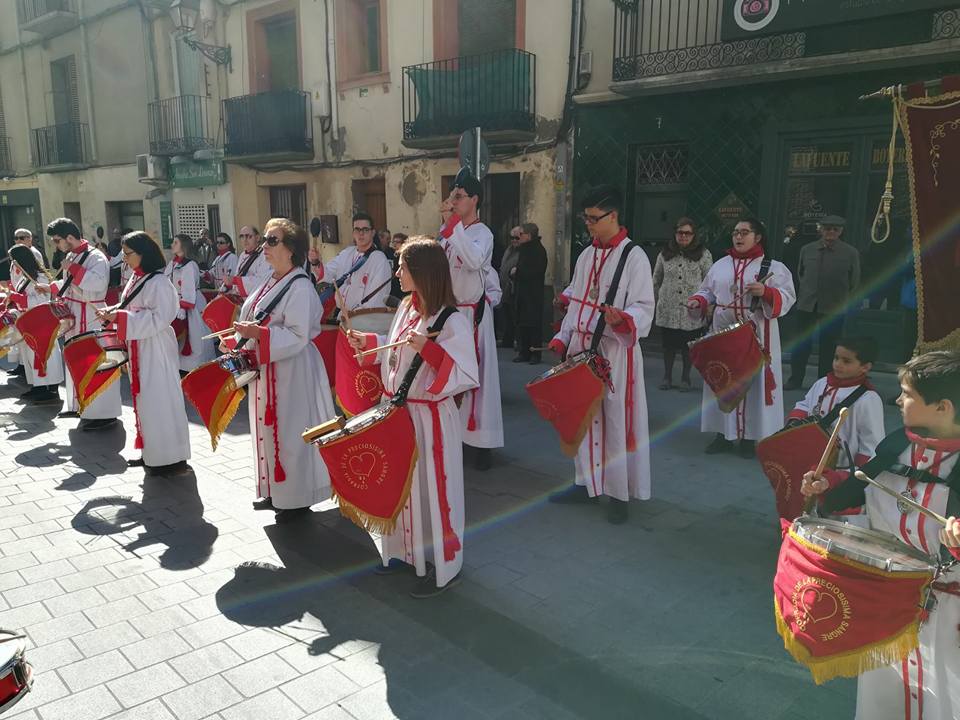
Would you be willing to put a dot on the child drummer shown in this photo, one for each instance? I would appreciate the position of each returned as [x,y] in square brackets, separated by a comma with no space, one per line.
[919,460]
[848,385]
[745,286]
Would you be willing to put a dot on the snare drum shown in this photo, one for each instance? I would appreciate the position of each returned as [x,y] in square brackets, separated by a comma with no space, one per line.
[728,360]
[359,387]
[114,349]
[242,365]
[371,320]
[9,335]
[16,675]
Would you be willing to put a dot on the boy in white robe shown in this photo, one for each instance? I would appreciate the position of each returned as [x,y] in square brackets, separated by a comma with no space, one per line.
[614,456]
[919,460]
[732,286]
[468,244]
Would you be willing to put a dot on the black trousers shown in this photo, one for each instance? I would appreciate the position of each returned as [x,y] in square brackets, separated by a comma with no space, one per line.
[529,336]
[812,325]
[508,324]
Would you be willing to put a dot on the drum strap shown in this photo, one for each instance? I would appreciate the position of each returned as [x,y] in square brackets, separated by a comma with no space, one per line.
[379,287]
[69,279]
[826,422]
[611,296]
[764,270]
[265,313]
[400,397]
[248,263]
[136,291]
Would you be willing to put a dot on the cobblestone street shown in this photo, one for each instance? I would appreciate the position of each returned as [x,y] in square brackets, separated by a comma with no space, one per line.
[152,599]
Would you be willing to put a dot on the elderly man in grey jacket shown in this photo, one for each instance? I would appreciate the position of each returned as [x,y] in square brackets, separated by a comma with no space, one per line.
[829,272]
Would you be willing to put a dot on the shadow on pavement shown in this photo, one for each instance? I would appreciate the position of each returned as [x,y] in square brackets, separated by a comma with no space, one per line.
[103,459]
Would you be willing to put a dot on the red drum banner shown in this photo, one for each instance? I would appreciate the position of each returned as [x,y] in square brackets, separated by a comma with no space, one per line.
[931,129]
[221,312]
[841,618]
[213,391]
[39,326]
[83,356]
[358,387]
[785,456]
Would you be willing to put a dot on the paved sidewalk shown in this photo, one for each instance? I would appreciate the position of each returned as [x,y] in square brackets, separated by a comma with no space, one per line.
[149,599]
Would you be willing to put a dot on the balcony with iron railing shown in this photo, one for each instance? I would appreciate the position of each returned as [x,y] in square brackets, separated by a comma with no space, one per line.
[495,91]
[655,41]
[180,125]
[47,17]
[6,157]
[60,147]
[269,126]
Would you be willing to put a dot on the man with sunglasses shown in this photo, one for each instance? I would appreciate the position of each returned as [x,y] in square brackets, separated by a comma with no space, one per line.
[614,457]
[367,285]
[88,272]
[252,267]
[469,247]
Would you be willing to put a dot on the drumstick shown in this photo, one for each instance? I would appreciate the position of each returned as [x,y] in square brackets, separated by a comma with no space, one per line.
[343,310]
[825,458]
[7,638]
[219,334]
[542,349]
[742,295]
[862,476]
[398,343]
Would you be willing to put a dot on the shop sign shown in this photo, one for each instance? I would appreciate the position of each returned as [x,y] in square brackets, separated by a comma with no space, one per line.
[749,18]
[813,160]
[730,208]
[196,174]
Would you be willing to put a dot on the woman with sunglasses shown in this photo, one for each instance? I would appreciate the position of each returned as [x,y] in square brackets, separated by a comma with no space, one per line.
[746,286]
[149,303]
[190,328]
[278,321]
[224,265]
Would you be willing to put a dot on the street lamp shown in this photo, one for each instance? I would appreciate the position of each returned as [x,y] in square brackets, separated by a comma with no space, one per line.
[185,15]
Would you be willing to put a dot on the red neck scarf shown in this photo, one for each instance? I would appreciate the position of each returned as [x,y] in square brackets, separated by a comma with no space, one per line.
[139,272]
[223,250]
[614,241]
[947,445]
[415,301]
[835,382]
[754,252]
[180,260]
[82,247]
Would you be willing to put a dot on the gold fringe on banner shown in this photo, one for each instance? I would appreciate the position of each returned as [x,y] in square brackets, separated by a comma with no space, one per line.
[373,523]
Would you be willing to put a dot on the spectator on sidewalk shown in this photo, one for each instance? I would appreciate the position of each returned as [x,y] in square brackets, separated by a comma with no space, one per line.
[829,273]
[528,277]
[678,273]
[505,311]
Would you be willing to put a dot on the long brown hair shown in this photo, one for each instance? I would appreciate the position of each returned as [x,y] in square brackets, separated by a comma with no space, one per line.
[427,264]
[693,251]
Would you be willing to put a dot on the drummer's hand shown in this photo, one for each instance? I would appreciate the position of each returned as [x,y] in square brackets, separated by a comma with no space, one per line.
[950,535]
[248,330]
[43,289]
[694,307]
[107,316]
[416,340]
[811,487]
[357,340]
[613,316]
[228,281]
[755,288]
[446,208]
[223,347]
[313,255]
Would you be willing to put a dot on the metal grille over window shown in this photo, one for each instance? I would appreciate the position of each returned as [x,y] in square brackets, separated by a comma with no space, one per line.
[662,165]
[191,219]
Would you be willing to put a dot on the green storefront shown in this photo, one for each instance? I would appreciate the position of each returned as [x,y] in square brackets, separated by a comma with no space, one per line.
[790,152]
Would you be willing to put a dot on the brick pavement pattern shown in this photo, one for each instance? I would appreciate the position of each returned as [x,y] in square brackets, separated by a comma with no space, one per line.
[152,599]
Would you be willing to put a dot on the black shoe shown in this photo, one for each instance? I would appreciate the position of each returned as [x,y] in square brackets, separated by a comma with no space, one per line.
[103,424]
[793,384]
[394,567]
[68,414]
[292,515]
[18,371]
[521,359]
[573,495]
[617,511]
[483,460]
[45,397]
[718,445]
[263,504]
[169,471]
[30,394]
[747,449]
[426,586]
[138,462]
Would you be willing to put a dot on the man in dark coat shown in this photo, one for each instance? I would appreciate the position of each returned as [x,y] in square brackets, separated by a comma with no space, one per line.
[528,279]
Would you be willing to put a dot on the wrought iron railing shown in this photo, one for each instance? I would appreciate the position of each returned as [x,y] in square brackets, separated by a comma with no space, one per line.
[179,125]
[29,10]
[278,121]
[495,91]
[64,144]
[6,157]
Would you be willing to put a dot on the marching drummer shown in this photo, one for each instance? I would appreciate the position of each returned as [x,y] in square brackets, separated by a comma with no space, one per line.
[428,537]
[747,286]
[224,265]
[184,273]
[919,461]
[365,270]
[86,277]
[614,456]
[252,267]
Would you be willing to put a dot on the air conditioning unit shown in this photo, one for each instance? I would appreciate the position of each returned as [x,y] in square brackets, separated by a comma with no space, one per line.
[586,63]
[151,167]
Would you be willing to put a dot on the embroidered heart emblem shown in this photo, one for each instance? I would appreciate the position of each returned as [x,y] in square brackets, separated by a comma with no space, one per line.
[362,465]
[717,374]
[548,411]
[368,385]
[779,477]
[818,605]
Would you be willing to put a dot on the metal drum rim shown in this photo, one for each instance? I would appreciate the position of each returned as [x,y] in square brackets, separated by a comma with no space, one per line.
[808,523]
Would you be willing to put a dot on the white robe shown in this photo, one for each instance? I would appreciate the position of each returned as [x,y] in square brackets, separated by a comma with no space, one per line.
[15,355]
[863,429]
[470,253]
[292,368]
[186,279]
[604,464]
[372,275]
[53,372]
[927,684]
[144,325]
[255,276]
[752,419]
[85,297]
[222,267]
[418,536]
